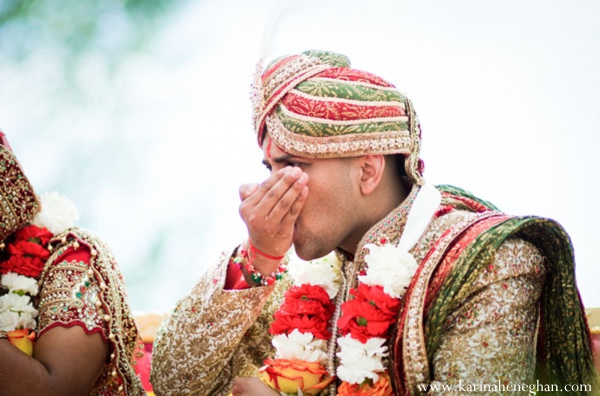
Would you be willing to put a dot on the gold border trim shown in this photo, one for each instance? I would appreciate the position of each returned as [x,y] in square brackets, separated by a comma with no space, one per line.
[414,353]
[355,145]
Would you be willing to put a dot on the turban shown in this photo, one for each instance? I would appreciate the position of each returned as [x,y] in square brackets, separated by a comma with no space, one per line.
[18,202]
[314,105]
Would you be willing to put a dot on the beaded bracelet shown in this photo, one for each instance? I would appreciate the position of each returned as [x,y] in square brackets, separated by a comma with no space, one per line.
[245,262]
[3,334]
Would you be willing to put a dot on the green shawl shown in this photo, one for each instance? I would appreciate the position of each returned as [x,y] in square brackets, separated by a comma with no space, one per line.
[564,350]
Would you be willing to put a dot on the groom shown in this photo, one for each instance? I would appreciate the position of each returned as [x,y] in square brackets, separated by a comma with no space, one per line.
[492,298]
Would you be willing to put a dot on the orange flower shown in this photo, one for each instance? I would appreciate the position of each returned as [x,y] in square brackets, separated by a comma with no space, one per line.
[290,375]
[382,387]
[22,339]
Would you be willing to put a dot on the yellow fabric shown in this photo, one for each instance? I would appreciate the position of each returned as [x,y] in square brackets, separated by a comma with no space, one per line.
[148,323]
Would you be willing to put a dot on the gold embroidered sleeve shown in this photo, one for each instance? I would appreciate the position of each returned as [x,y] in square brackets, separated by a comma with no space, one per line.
[82,285]
[69,296]
[213,336]
[490,339]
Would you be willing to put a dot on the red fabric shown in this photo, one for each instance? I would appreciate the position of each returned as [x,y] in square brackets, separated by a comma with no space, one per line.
[347,74]
[471,203]
[75,255]
[143,366]
[76,323]
[235,278]
[596,349]
[332,110]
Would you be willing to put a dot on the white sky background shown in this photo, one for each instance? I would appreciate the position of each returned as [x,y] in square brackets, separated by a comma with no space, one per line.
[507,93]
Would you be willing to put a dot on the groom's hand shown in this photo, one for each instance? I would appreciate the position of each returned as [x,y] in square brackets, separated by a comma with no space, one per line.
[270,211]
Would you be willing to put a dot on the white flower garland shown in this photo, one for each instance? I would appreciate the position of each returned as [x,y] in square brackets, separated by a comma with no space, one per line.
[327,274]
[392,268]
[16,306]
[389,266]
[361,361]
[300,346]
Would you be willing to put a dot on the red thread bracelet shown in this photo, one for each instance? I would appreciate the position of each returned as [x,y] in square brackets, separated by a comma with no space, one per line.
[253,249]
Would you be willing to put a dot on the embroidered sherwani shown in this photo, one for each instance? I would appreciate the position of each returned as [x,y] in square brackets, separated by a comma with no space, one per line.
[215,335]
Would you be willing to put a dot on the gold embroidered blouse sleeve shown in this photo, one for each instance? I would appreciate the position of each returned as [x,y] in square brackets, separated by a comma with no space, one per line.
[69,296]
[81,285]
[490,339]
[213,336]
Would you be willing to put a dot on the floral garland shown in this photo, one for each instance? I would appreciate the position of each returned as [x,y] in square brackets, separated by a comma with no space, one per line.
[302,327]
[21,266]
[367,320]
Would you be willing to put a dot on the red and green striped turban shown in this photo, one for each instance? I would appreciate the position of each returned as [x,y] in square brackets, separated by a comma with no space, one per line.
[314,105]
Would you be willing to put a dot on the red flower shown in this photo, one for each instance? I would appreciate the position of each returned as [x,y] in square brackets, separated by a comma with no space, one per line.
[309,292]
[27,251]
[22,265]
[32,233]
[30,241]
[285,324]
[306,308]
[369,314]
[378,298]
[295,307]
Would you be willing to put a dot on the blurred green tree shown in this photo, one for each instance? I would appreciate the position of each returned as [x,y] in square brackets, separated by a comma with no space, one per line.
[59,63]
[73,27]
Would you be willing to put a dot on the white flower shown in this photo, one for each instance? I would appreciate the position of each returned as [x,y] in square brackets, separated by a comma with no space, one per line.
[19,283]
[10,321]
[325,272]
[16,303]
[58,213]
[300,346]
[16,312]
[389,267]
[360,361]
[26,321]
